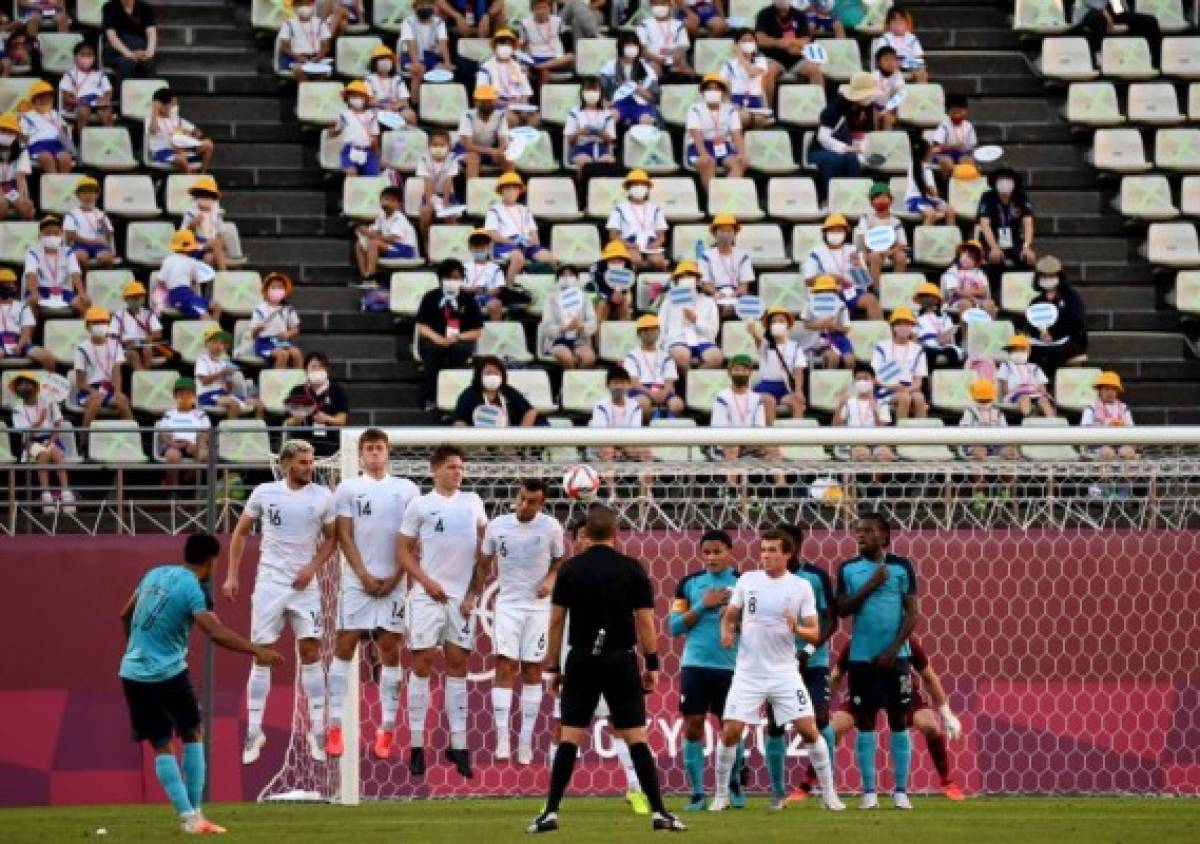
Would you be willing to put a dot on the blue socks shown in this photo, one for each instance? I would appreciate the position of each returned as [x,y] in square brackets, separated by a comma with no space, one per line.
[864,750]
[776,753]
[167,770]
[830,739]
[193,772]
[901,747]
[693,764]
[739,762]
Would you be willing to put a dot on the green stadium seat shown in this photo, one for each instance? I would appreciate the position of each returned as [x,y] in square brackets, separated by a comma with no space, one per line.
[504,340]
[448,242]
[1016,292]
[407,290]
[538,157]
[591,54]
[104,287]
[115,442]
[674,102]
[352,54]
[269,15]
[1181,57]
[1147,198]
[864,334]
[1093,104]
[1058,453]
[539,286]
[770,151]
[558,98]
[1187,292]
[360,196]
[736,196]
[1173,245]
[58,51]
[146,244]
[450,384]
[849,197]
[534,384]
[7,458]
[1170,14]
[896,289]
[1126,58]
[702,388]
[603,192]
[1189,199]
[617,339]
[934,245]
[952,389]
[783,290]
[709,54]
[804,453]
[675,453]
[237,292]
[481,193]
[736,339]
[389,14]
[1073,388]
[1178,149]
[1154,103]
[56,193]
[274,385]
[843,58]
[1119,151]
[244,442]
[894,147]
[151,391]
[924,106]
[800,105]
[131,197]
[793,198]
[965,195]
[136,96]
[678,198]
[107,148]
[88,12]
[187,338]
[12,91]
[178,185]
[553,198]
[582,389]
[61,336]
[1068,59]
[826,387]
[656,158]
[1041,17]
[403,148]
[923,452]
[320,102]
[765,245]
[805,238]
[575,244]
[987,339]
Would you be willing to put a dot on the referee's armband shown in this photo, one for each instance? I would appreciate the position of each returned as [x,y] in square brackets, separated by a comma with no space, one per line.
[680,605]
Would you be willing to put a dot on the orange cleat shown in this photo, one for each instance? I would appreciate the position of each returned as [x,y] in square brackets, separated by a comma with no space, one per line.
[952,792]
[382,747]
[333,742]
[200,826]
[798,796]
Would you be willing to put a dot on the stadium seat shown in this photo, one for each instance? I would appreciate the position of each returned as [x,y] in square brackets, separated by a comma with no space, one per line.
[504,340]
[408,288]
[603,192]
[56,192]
[553,199]
[895,149]
[657,158]
[146,244]
[702,388]
[1068,59]
[447,242]
[617,339]
[802,452]
[675,453]
[481,193]
[764,243]
[360,196]
[1016,292]
[1170,14]
[244,442]
[61,336]
[709,54]
[1048,452]
[1173,245]
[104,287]
[649,290]
[538,157]
[352,54]
[1040,17]
[965,195]
[987,339]
[130,196]
[1073,388]
[15,240]
[187,337]
[805,238]
[800,105]
[151,391]
[561,454]
[1187,292]
[269,15]
[736,196]
[783,290]
[843,58]
[539,286]
[934,245]
[793,198]
[115,442]
[770,151]
[389,14]
[403,148]
[678,197]
[582,389]
[450,384]
[952,389]
[575,244]
[924,107]
[1126,58]
[1093,104]
[1181,57]
[178,199]
[1189,200]
[736,339]
[237,292]
[274,385]
[557,101]
[849,197]
[136,96]
[896,289]
[923,452]
[12,91]
[826,388]
[107,148]
[1178,149]
[688,239]
[592,53]
[1147,198]
[57,49]
[320,102]
[1154,103]
[674,101]
[88,13]
[534,384]
[864,334]
[1119,151]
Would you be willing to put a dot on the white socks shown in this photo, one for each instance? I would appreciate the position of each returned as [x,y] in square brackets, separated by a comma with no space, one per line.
[501,708]
[257,689]
[338,671]
[456,711]
[726,756]
[312,677]
[389,693]
[531,705]
[622,750]
[418,708]
[818,757]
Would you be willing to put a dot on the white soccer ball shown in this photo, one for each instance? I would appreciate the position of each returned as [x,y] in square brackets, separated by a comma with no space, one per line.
[581,482]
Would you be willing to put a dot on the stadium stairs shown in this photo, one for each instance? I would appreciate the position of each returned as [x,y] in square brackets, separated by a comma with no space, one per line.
[286,207]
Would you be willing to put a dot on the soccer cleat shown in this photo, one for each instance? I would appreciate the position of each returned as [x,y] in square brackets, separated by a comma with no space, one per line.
[666,822]
[382,746]
[503,748]
[545,822]
[699,804]
[315,750]
[416,761]
[333,742]
[737,797]
[525,754]
[638,802]
[833,803]
[255,742]
[718,804]
[777,804]
[869,801]
[900,800]
[799,795]
[197,825]
[952,791]
[462,762]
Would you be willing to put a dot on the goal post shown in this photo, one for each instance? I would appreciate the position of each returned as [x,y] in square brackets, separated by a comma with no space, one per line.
[1035,575]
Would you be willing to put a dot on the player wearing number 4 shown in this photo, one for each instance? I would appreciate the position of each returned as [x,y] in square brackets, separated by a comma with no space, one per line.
[527,544]
[369,510]
[297,538]
[439,544]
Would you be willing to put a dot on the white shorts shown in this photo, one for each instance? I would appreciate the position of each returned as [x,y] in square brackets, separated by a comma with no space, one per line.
[785,692]
[359,611]
[520,631]
[274,603]
[431,624]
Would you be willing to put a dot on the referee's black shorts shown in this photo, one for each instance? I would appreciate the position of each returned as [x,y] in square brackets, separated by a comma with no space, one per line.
[615,675]
[158,711]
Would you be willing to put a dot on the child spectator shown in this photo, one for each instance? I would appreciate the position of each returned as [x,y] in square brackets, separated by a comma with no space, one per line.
[173,140]
[34,13]
[483,135]
[274,325]
[84,90]
[954,138]
[859,408]
[899,364]
[900,37]
[541,39]
[221,383]
[750,77]
[653,372]
[1108,411]
[614,300]
[619,410]
[48,134]
[390,237]
[41,418]
[665,42]
[921,196]
[965,284]
[15,170]
[639,223]
[822,19]
[18,324]
[344,14]
[424,45]
[183,432]
[514,231]
[304,39]
[205,218]
[890,82]
[936,331]
[18,52]
[503,72]
[709,14]
[737,406]
[631,83]
[89,231]
[1023,383]
[438,169]
[591,129]
[714,132]
[388,91]
[53,278]
[983,413]
[97,369]
[881,216]
[182,275]
[358,127]
[829,318]
[137,328]
[781,365]
[690,321]
[483,277]
[783,31]
[569,324]
[473,18]
[726,270]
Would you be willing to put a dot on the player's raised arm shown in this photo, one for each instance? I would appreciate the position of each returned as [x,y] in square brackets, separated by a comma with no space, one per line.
[237,546]
[228,639]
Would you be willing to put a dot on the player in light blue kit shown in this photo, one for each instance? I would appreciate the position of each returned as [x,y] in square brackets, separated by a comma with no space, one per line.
[158,618]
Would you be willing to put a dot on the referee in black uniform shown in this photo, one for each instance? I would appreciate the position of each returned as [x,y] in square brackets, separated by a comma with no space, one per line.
[611,605]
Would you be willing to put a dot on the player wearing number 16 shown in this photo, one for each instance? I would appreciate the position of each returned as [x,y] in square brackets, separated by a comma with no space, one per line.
[774,609]
[297,539]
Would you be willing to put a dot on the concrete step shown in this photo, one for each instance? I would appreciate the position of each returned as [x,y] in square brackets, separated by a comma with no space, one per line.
[403,418]
[376,396]
[187,63]
[986,64]
[309,298]
[268,203]
[375,370]
[1085,250]
[1135,346]
[372,346]
[209,110]
[268,156]
[1131,321]
[292,251]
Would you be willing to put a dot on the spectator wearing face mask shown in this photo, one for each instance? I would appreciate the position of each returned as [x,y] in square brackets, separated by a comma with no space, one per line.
[1023,383]
[838,257]
[1108,411]
[881,216]
[965,284]
[304,40]
[899,365]
[388,91]
[665,42]
[483,135]
[448,325]
[615,300]
[130,38]
[591,129]
[725,268]
[1006,222]
[40,417]
[899,36]
[541,38]
[358,128]
[1066,342]
[424,45]
[618,410]
[438,170]
[713,129]
[205,218]
[738,406]
[97,368]
[327,401]
[18,325]
[85,91]
[639,222]
[568,329]
[504,73]
[174,141]
[138,328]
[859,408]
[53,278]
[936,330]
[15,170]
[183,433]
[653,372]
[89,231]
[484,277]
[490,401]
[690,321]
[513,229]
[954,139]
[390,236]
[275,325]
[631,83]
[751,79]
[781,365]
[783,31]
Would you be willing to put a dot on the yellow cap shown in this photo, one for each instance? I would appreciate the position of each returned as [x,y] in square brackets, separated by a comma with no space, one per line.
[486,92]
[134,288]
[509,180]
[902,314]
[685,268]
[479,234]
[357,87]
[38,88]
[214,333]
[10,122]
[983,390]
[713,79]
[382,52]
[87,182]
[283,278]
[637,177]
[97,314]
[503,33]
[646,322]
[927,289]
[724,220]
[824,284]
[24,375]
[965,172]
[777,310]
[1018,341]
[615,249]
[184,241]
[1109,379]
[206,184]
[835,221]
[7,275]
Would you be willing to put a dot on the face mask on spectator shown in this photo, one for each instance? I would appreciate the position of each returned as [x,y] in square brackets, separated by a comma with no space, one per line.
[660,10]
[425,13]
[566,282]
[713,96]
[439,151]
[725,238]
[748,47]
[358,102]
[686,281]
[6,139]
[385,65]
[649,337]
[504,52]
[7,291]
[618,393]
[304,12]
[591,97]
[451,286]
[882,204]
[1005,186]
[639,192]
[275,295]
[318,377]
[1048,282]
[862,386]
[480,255]
[835,238]
[631,51]
[739,380]
[779,330]
[51,242]
[134,304]
[491,381]
[99,331]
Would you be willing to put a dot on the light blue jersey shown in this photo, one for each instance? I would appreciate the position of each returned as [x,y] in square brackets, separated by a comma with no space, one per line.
[168,600]
[879,617]
[819,580]
[702,648]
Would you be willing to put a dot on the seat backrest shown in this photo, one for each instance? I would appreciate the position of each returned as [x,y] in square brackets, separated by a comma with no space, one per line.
[243,441]
[274,385]
[152,390]
[115,441]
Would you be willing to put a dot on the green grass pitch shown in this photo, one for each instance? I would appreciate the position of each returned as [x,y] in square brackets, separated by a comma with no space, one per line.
[935,820]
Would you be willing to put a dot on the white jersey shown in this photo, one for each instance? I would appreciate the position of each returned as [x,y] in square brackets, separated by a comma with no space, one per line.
[767,647]
[292,520]
[524,552]
[377,508]
[448,530]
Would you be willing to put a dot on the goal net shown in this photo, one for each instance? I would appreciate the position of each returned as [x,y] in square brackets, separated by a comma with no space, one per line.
[1058,596]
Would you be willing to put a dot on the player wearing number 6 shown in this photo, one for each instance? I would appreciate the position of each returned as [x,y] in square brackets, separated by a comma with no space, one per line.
[369,510]
[773,609]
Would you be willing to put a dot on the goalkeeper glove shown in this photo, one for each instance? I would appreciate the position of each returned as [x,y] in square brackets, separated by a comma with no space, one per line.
[951,724]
